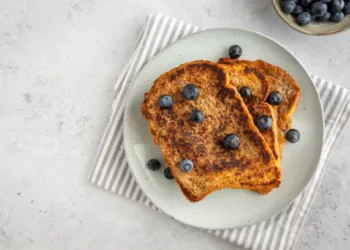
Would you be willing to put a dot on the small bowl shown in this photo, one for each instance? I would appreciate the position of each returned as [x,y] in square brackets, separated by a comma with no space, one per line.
[313,28]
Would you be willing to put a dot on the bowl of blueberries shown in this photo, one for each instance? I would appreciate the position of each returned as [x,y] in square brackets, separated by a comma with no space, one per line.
[315,17]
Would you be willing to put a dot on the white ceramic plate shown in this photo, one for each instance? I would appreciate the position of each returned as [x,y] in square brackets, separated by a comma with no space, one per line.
[227,208]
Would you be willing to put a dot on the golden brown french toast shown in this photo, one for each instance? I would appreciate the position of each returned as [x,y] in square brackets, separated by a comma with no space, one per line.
[250,166]
[245,74]
[280,81]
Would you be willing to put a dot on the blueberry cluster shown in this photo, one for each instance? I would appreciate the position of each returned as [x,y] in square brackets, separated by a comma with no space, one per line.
[306,11]
[154,165]
[185,166]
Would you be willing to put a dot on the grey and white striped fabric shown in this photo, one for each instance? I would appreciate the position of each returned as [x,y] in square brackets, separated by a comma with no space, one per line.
[111,171]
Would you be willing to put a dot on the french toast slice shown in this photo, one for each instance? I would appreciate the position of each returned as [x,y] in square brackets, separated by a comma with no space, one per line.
[284,83]
[279,80]
[244,74]
[250,166]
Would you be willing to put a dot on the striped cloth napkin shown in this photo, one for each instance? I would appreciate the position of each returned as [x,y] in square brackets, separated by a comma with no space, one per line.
[111,171]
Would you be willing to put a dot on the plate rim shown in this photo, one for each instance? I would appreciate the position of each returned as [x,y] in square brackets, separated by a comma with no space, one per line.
[124,127]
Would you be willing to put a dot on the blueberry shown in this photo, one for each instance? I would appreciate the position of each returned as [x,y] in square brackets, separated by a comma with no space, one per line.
[346,9]
[275,98]
[298,10]
[197,116]
[165,102]
[288,6]
[235,51]
[245,92]
[337,16]
[231,141]
[325,17]
[263,122]
[318,9]
[168,174]
[293,135]
[337,5]
[305,3]
[190,92]
[308,10]
[304,19]
[153,164]
[186,166]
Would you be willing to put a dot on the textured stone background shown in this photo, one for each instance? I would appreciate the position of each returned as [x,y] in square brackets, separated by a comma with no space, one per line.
[58,63]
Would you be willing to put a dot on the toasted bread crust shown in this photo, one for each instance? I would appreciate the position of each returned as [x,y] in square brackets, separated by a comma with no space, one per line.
[250,166]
